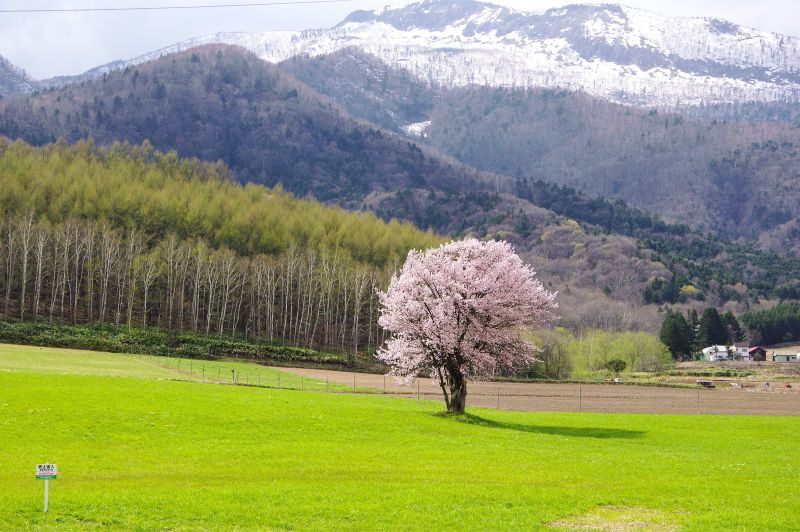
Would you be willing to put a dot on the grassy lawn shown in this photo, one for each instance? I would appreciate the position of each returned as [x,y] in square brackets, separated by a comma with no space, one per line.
[47,360]
[138,450]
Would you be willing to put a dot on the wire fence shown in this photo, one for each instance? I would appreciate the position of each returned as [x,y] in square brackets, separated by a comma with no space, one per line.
[244,373]
[776,399]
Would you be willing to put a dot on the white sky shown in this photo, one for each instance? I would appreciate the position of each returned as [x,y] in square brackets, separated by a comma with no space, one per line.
[54,44]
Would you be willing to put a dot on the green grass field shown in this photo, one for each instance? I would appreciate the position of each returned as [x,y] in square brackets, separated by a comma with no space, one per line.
[28,359]
[138,449]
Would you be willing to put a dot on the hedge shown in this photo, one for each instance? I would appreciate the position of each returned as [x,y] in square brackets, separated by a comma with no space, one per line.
[154,341]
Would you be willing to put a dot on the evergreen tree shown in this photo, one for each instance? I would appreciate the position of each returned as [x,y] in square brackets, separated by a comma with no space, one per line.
[781,323]
[734,327]
[694,326]
[676,335]
[712,330]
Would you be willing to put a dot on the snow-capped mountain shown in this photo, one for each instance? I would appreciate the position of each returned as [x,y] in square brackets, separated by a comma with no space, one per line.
[618,53]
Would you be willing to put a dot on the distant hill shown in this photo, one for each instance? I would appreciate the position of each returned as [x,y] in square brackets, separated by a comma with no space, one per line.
[222,102]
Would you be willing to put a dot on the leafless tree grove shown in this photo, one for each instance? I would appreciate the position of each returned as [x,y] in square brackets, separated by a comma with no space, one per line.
[89,272]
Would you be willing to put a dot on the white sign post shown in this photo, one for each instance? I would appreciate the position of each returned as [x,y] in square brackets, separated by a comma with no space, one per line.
[46,472]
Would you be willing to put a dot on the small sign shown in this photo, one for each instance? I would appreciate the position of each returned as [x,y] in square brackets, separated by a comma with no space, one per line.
[46,471]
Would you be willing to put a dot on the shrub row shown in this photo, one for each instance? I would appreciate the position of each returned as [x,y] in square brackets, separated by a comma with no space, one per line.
[153,341]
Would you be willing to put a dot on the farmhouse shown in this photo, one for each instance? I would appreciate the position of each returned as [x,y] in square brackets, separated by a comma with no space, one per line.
[717,352]
[758,354]
[741,351]
[784,357]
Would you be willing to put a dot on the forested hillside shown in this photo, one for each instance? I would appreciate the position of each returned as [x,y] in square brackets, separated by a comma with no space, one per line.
[786,112]
[605,257]
[367,87]
[128,235]
[223,103]
[738,179]
[614,266]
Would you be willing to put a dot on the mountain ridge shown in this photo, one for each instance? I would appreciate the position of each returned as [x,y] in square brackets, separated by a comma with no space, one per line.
[665,163]
[222,102]
[621,54]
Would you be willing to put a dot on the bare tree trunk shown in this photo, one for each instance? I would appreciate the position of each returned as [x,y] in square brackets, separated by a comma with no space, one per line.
[10,240]
[256,273]
[109,254]
[39,253]
[237,310]
[183,270]
[359,285]
[56,274]
[149,267]
[371,296]
[273,288]
[25,229]
[169,252]
[131,296]
[343,326]
[313,332]
[63,287]
[200,258]
[89,236]
[211,281]
[230,279]
[78,244]
[330,286]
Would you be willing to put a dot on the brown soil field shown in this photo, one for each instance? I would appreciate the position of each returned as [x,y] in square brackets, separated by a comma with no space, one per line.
[533,397]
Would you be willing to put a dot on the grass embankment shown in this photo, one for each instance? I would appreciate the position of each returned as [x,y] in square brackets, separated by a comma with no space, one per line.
[161,342]
[48,360]
[135,452]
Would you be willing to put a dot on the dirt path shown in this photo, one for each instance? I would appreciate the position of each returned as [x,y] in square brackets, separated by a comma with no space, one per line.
[585,397]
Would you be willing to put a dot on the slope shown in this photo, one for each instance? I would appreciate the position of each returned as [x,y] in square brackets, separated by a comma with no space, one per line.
[221,102]
[738,180]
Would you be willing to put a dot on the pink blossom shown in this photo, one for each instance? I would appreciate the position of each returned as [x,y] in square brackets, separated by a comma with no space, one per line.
[459,312]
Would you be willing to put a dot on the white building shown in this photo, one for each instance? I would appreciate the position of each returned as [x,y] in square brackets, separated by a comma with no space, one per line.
[741,351]
[715,353]
[785,357]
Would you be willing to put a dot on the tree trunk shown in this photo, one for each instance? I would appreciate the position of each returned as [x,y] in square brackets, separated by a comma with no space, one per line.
[458,393]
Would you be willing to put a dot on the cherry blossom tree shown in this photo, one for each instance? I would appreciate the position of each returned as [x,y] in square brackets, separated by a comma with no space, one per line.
[458,312]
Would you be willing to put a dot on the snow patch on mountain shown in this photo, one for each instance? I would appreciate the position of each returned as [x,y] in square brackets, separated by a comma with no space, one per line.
[417,129]
[618,53]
